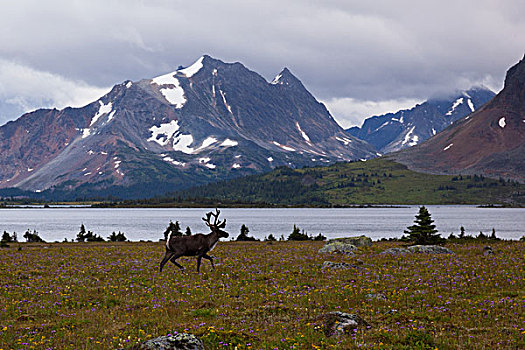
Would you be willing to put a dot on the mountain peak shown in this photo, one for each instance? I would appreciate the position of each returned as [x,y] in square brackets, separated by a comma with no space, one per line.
[285,77]
[516,74]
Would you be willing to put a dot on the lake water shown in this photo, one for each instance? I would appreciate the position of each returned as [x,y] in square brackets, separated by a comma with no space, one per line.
[55,224]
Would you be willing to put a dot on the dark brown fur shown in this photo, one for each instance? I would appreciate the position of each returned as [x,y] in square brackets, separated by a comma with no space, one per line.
[196,245]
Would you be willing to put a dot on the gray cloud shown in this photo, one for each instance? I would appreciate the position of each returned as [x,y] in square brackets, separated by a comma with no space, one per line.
[372,53]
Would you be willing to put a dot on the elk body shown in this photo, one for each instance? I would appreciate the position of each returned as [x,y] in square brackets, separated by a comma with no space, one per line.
[196,245]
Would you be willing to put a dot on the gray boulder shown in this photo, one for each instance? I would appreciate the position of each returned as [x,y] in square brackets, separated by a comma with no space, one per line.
[429,249]
[339,322]
[335,247]
[179,341]
[339,265]
[396,251]
[359,241]
[378,296]
[488,250]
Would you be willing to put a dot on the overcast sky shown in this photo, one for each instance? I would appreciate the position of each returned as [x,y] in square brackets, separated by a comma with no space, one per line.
[359,57]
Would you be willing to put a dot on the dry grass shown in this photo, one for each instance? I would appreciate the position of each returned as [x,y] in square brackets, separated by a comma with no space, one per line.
[261,296]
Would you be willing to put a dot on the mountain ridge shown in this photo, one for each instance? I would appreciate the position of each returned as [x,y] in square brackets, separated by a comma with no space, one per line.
[408,127]
[491,141]
[206,122]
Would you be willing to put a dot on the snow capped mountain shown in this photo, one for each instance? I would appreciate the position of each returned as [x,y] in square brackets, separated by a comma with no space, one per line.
[394,131]
[207,122]
[490,141]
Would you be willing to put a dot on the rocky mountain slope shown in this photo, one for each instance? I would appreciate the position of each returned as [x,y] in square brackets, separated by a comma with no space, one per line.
[210,121]
[395,131]
[491,141]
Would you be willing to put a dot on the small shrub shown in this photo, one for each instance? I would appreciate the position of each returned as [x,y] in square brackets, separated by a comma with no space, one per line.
[271,238]
[173,229]
[117,237]
[32,236]
[243,236]
[320,237]
[297,235]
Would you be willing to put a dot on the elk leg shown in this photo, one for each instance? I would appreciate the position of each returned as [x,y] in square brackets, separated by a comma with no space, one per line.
[198,262]
[167,257]
[175,257]
[206,256]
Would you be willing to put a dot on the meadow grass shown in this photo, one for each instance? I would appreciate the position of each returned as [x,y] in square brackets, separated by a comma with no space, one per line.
[261,296]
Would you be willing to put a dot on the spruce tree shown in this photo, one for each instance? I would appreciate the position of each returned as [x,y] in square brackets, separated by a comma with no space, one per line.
[423,231]
[173,228]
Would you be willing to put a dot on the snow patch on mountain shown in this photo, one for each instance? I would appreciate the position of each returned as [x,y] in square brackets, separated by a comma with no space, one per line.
[174,93]
[303,134]
[471,105]
[182,143]
[103,109]
[163,133]
[236,166]
[412,140]
[207,142]
[344,140]
[277,80]
[205,161]
[224,100]
[172,161]
[444,149]
[286,148]
[193,69]
[229,143]
[502,123]
[455,105]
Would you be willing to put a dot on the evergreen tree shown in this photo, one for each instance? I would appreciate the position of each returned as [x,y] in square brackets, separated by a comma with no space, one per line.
[188,231]
[6,237]
[462,232]
[424,231]
[320,237]
[117,237]
[296,235]
[270,238]
[81,235]
[32,236]
[173,229]
[243,236]
[493,235]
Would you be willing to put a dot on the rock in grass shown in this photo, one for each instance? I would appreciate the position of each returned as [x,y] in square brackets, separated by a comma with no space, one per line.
[339,265]
[339,322]
[378,296]
[360,241]
[429,249]
[488,250]
[396,251]
[179,341]
[335,247]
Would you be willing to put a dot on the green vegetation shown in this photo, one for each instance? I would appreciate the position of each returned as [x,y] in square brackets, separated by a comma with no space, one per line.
[32,236]
[243,235]
[424,231]
[83,236]
[173,229]
[117,237]
[376,181]
[261,296]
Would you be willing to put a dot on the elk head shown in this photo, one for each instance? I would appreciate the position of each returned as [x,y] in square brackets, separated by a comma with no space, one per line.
[216,226]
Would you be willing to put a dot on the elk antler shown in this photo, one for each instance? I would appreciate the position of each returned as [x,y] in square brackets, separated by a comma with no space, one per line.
[216,222]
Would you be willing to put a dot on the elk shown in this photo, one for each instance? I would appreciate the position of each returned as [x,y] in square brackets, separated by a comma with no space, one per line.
[196,245]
